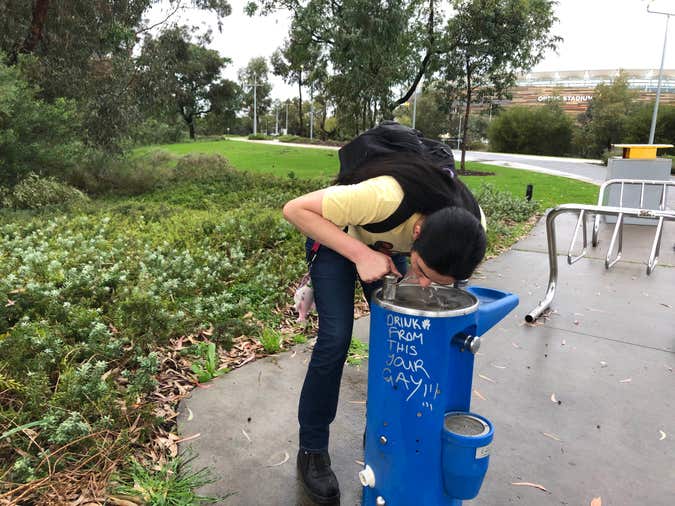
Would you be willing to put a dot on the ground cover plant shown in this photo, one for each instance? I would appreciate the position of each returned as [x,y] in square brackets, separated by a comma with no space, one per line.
[109,303]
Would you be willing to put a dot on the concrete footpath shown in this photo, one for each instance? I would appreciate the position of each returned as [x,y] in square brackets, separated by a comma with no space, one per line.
[582,401]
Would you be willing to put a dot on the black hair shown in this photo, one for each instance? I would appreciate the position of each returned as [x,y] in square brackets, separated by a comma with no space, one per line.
[452,242]
[426,186]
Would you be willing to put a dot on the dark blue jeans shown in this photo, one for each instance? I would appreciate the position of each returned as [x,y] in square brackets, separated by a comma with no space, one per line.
[334,279]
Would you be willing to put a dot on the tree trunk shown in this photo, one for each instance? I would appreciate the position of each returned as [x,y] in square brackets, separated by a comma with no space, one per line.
[424,65]
[34,36]
[467,110]
[191,126]
[302,126]
[364,115]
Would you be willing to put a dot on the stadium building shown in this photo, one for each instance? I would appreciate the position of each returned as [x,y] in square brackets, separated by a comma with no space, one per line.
[574,89]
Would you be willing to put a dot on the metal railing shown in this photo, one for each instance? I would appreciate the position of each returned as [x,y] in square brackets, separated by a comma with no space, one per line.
[620,212]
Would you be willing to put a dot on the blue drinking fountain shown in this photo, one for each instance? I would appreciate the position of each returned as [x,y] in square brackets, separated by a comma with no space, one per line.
[423,445]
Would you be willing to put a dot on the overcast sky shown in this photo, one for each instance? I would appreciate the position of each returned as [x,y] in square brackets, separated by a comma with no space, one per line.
[598,34]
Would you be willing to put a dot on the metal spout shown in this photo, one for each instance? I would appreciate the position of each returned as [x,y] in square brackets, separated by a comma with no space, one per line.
[389,287]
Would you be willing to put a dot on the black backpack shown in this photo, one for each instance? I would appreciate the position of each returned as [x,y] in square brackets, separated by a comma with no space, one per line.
[386,138]
[390,137]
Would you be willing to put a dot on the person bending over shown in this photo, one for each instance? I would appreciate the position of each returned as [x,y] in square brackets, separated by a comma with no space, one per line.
[355,223]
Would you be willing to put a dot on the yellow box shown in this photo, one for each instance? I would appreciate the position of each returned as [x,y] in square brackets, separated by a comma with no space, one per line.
[642,151]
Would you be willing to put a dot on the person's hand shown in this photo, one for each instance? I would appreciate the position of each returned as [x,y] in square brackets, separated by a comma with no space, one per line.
[375,265]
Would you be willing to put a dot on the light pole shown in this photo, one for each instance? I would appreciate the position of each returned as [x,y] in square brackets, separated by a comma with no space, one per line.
[255,105]
[286,116]
[311,111]
[652,130]
[276,128]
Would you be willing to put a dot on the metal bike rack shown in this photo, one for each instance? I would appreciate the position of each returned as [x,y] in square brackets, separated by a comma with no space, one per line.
[618,228]
[620,212]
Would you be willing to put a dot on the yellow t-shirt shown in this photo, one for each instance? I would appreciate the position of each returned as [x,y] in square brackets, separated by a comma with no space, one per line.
[371,201]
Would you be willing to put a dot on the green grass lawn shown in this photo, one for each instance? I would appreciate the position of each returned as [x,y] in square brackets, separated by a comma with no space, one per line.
[548,190]
[308,162]
[279,160]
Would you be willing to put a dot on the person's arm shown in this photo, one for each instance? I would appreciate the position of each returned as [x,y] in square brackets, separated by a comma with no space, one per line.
[305,213]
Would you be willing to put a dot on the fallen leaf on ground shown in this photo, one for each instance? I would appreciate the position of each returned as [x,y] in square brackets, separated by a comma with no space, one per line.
[498,366]
[486,378]
[357,402]
[603,363]
[553,399]
[118,501]
[246,435]
[597,501]
[283,461]
[552,436]
[666,305]
[576,322]
[564,342]
[528,484]
[360,462]
[190,415]
[293,354]
[516,345]
[189,438]
[663,435]
[627,380]
[479,395]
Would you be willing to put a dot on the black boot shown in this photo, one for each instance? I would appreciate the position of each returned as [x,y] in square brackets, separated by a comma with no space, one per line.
[318,479]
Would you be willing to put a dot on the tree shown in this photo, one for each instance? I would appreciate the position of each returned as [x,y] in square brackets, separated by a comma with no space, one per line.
[375,49]
[486,43]
[83,50]
[431,116]
[256,74]
[606,120]
[298,55]
[182,76]
[543,130]
[226,101]
[35,136]
[639,124]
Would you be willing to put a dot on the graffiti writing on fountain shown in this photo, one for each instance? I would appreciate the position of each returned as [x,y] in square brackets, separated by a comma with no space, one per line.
[404,366]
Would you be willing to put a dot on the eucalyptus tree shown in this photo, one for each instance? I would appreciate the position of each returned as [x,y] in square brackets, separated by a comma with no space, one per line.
[256,75]
[179,75]
[372,48]
[83,50]
[295,60]
[486,43]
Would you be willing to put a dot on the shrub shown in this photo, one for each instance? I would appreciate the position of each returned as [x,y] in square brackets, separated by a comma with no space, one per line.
[35,136]
[196,166]
[153,131]
[535,130]
[260,137]
[290,138]
[34,192]
[503,206]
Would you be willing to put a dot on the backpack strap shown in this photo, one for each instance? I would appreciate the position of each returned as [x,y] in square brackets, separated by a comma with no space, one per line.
[401,215]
